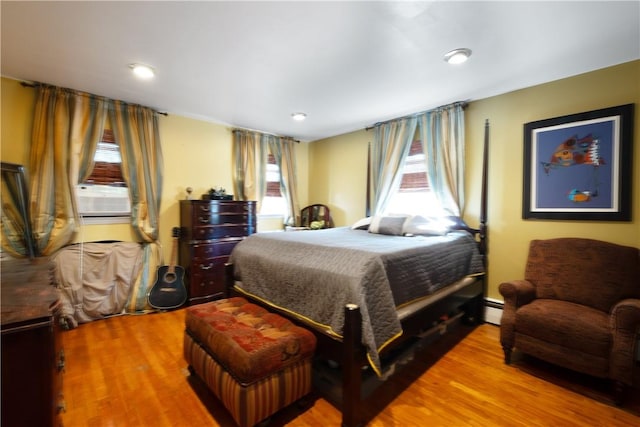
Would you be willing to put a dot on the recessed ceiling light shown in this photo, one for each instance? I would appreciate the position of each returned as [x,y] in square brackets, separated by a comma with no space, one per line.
[142,71]
[298,116]
[458,56]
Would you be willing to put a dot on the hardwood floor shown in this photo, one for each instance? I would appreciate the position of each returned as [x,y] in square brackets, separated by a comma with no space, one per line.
[129,371]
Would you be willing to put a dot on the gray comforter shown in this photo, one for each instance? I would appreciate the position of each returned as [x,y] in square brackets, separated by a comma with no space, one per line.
[314,274]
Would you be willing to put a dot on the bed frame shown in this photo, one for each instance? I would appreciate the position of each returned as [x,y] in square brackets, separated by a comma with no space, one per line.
[338,367]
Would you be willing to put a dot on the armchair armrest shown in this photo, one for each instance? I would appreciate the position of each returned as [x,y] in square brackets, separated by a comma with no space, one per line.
[516,293]
[625,315]
[624,323]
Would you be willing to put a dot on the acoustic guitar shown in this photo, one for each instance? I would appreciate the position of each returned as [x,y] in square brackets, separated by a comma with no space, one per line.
[169,291]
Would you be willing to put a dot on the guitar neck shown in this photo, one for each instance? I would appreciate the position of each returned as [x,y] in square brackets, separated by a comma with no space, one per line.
[174,255]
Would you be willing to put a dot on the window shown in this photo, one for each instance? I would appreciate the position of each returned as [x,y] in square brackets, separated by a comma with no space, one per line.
[105,194]
[106,168]
[273,202]
[414,197]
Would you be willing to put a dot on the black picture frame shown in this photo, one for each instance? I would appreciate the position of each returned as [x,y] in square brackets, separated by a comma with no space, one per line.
[578,167]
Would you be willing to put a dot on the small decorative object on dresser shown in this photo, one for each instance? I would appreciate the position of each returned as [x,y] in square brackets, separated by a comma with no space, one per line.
[210,229]
[217,193]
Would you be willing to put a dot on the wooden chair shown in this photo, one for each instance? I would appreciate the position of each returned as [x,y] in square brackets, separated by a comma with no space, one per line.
[316,217]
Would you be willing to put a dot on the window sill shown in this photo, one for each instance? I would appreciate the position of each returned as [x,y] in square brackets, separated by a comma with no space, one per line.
[104,220]
[271,216]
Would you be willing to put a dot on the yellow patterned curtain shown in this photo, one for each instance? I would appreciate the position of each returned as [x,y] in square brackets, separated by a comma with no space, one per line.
[135,129]
[391,144]
[442,134]
[66,128]
[249,160]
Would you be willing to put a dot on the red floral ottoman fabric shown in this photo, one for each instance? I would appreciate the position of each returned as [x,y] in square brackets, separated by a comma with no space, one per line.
[250,342]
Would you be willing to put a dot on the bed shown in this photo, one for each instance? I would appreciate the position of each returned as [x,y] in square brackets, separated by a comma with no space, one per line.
[370,293]
[379,273]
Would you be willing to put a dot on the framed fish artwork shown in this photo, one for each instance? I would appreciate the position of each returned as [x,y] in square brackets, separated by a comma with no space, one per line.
[578,167]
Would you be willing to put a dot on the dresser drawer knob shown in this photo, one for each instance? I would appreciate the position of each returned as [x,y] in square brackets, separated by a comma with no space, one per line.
[204,219]
[206,267]
[205,208]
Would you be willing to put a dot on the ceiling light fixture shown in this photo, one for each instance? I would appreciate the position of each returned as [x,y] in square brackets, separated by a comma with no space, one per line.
[298,116]
[458,56]
[142,71]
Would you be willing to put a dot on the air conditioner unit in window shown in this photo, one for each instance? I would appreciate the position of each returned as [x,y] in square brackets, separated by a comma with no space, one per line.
[103,200]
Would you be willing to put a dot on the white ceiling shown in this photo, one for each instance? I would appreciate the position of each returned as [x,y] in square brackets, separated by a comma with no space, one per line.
[346,64]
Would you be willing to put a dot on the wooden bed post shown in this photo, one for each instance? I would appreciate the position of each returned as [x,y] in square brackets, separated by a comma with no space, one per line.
[351,367]
[368,201]
[483,201]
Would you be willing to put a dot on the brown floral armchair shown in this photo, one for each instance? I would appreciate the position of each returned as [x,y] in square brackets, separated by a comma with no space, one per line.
[578,307]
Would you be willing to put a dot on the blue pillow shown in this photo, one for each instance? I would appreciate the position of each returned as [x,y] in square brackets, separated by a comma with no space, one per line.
[391,225]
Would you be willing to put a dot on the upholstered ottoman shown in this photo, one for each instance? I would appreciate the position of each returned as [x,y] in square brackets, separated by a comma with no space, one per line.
[256,362]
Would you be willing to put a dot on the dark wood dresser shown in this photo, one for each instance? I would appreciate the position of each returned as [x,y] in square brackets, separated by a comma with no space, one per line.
[32,353]
[210,229]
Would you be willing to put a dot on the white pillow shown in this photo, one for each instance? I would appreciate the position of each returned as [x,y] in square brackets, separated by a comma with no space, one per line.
[419,225]
[361,224]
[391,225]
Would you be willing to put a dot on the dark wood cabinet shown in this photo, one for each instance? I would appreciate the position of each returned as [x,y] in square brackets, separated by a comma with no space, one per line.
[209,230]
[32,353]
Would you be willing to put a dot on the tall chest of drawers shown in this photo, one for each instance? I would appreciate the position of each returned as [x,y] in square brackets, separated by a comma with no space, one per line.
[209,230]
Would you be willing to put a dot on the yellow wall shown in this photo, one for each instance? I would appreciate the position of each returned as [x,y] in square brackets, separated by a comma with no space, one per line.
[339,166]
[16,115]
[333,170]
[338,173]
[196,154]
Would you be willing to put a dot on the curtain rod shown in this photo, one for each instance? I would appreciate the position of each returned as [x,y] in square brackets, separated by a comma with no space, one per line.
[234,130]
[34,85]
[463,104]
